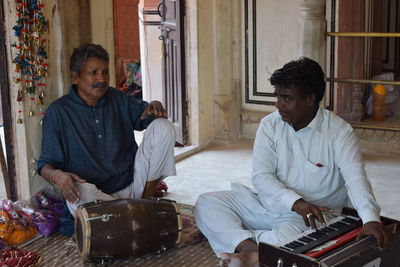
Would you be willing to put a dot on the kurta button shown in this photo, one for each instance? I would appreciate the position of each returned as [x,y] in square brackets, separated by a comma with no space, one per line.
[100,136]
[94,109]
[97,121]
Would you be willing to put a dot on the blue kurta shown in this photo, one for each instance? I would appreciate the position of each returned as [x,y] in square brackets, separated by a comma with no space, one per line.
[96,143]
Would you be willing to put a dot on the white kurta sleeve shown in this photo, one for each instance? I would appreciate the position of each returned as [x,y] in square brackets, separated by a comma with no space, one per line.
[351,165]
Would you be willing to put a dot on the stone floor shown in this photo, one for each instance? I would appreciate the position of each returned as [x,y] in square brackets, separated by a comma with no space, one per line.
[217,166]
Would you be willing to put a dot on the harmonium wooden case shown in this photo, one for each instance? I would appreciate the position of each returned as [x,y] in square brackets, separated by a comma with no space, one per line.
[334,245]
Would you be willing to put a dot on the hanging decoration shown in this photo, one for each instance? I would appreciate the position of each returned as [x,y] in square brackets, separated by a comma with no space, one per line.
[31,66]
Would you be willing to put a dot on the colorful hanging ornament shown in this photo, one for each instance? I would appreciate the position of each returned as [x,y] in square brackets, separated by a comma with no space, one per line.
[31,66]
[19,100]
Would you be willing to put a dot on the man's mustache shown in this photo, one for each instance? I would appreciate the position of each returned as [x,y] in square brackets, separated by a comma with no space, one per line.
[99,85]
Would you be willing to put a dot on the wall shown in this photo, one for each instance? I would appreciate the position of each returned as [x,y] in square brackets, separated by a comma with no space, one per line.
[277,37]
[102,21]
[68,28]
[213,73]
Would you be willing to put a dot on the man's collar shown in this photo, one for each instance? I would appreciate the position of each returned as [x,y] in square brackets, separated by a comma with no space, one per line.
[76,98]
[316,123]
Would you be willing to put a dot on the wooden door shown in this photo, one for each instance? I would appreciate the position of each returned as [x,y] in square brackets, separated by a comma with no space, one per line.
[172,35]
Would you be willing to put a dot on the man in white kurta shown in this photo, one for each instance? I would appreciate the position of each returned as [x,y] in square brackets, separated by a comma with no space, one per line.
[314,161]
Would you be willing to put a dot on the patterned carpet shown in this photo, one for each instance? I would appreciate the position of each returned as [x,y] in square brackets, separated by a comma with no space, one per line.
[61,251]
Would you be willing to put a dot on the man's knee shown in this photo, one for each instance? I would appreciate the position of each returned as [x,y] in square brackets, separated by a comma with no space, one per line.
[163,129]
[211,198]
[207,203]
[202,202]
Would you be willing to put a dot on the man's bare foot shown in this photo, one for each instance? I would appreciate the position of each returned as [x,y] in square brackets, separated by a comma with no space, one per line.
[245,259]
[190,233]
[150,189]
[246,255]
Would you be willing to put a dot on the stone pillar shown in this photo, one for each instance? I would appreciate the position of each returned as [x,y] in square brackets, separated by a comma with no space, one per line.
[311,30]
[227,56]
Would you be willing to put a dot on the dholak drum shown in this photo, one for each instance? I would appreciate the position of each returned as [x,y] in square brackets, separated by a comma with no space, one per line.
[107,230]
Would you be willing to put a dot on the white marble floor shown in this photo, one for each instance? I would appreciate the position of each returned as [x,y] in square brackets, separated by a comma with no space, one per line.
[217,166]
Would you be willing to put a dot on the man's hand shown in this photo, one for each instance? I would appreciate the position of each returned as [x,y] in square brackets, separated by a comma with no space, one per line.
[379,231]
[65,181]
[154,108]
[310,212]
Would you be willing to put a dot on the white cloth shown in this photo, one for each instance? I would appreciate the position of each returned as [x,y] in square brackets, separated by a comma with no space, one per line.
[154,159]
[227,218]
[317,163]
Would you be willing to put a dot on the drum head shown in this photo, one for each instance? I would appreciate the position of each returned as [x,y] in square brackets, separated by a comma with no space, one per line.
[179,221]
[82,232]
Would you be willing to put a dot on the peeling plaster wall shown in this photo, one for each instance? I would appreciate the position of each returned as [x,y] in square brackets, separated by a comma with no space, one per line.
[219,57]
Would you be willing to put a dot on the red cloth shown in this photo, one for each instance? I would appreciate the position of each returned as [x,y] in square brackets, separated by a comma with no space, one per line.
[14,257]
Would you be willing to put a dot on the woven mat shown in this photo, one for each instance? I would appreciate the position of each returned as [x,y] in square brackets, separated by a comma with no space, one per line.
[60,251]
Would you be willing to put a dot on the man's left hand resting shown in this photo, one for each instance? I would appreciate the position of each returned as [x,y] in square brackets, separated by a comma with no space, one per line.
[379,231]
[154,108]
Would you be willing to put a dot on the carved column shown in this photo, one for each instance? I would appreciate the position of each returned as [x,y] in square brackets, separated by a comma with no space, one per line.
[311,30]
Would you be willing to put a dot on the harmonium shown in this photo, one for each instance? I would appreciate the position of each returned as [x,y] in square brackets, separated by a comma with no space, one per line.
[334,245]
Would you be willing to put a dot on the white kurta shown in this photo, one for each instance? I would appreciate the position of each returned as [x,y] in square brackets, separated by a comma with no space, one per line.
[320,163]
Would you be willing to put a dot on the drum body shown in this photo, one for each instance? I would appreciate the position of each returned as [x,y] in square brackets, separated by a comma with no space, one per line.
[122,228]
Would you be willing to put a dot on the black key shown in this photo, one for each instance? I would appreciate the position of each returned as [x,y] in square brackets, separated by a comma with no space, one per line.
[339,225]
[314,235]
[333,227]
[285,248]
[298,243]
[349,220]
[322,233]
[306,239]
[317,234]
[327,230]
[290,245]
[295,245]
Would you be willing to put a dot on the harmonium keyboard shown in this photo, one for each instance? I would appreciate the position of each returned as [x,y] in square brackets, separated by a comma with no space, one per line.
[334,245]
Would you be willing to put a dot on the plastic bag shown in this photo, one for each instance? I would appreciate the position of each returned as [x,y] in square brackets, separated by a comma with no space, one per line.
[391,97]
[45,221]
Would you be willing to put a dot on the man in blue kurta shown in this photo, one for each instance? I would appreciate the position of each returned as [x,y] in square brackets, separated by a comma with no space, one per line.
[88,146]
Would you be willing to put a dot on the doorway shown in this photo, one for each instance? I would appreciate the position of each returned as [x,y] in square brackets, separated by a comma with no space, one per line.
[173,64]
